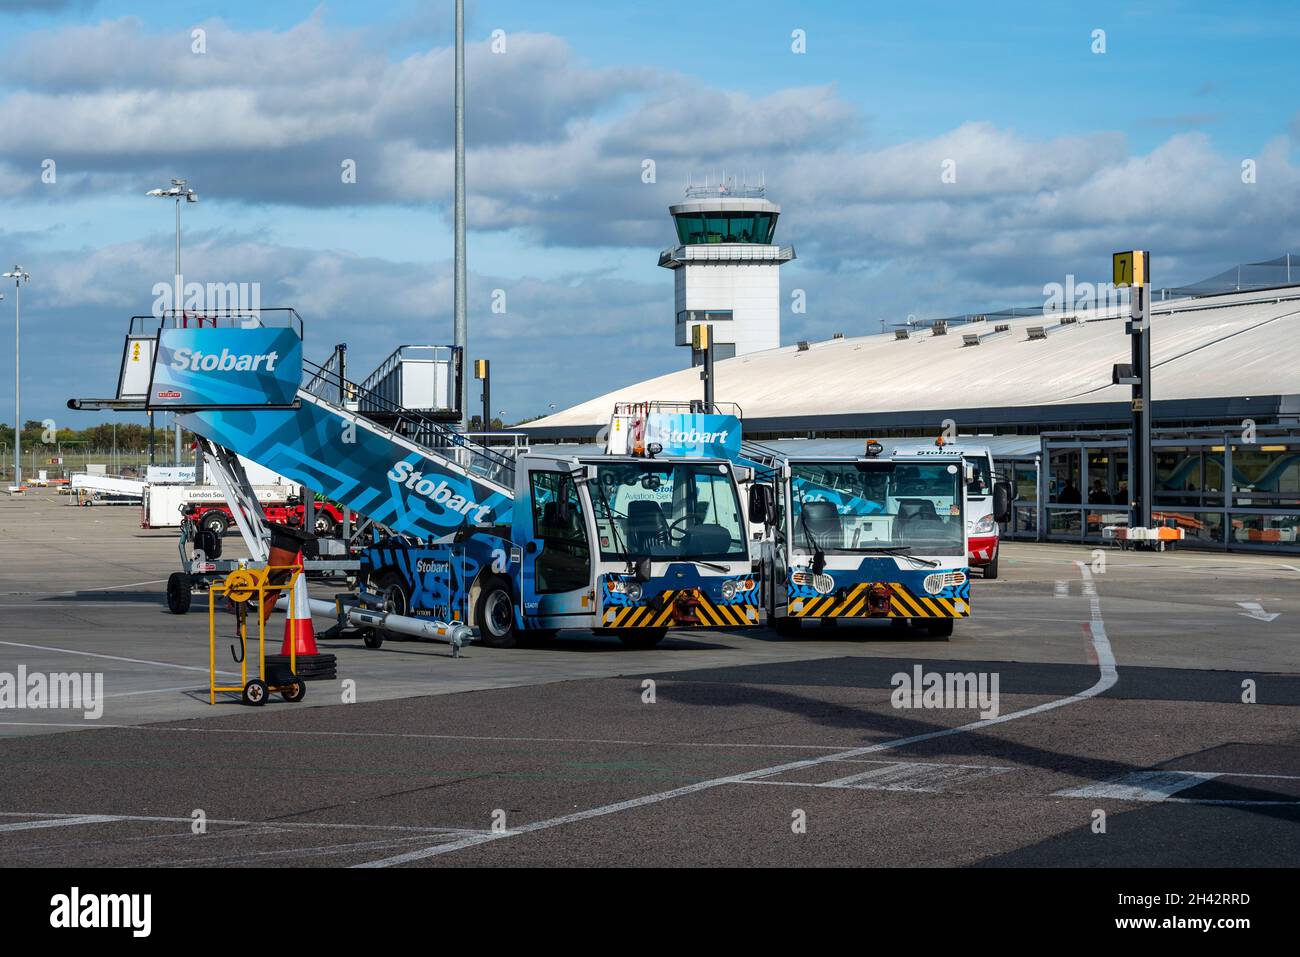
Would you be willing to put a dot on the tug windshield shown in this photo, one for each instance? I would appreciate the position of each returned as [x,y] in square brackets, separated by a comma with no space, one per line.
[668,510]
[864,506]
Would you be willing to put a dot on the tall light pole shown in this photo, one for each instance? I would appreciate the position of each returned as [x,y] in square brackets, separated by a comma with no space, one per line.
[19,276]
[462,323]
[181,193]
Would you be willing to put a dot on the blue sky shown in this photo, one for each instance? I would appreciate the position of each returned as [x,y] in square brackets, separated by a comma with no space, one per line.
[1063,155]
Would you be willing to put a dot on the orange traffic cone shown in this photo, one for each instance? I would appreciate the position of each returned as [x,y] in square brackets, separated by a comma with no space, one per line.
[298,631]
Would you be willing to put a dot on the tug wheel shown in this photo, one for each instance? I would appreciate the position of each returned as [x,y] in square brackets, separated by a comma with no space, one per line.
[295,692]
[494,613]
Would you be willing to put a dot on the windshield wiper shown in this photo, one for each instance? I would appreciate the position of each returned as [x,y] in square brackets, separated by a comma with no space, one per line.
[699,561]
[902,552]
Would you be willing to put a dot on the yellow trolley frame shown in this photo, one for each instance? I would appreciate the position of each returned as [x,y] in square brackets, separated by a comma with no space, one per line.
[240,586]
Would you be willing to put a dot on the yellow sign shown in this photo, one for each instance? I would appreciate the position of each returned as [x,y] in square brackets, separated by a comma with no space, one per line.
[1132,268]
[699,338]
[480,368]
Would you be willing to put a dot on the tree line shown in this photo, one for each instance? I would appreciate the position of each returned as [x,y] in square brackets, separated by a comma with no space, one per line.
[131,436]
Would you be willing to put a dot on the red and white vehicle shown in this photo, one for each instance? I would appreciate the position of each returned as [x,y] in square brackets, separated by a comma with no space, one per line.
[982,532]
[217,517]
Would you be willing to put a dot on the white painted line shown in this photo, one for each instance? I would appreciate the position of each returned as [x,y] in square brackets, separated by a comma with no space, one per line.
[60,822]
[70,604]
[1141,786]
[92,654]
[905,776]
[437,737]
[130,694]
[290,852]
[1106,679]
[155,581]
[57,819]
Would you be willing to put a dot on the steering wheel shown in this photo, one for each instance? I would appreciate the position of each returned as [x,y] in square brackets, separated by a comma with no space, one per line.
[674,534]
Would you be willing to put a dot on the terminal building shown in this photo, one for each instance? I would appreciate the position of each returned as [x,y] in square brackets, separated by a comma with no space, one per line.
[726,269]
[1037,389]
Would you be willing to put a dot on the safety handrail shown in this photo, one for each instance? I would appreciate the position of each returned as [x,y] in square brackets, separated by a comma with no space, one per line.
[471,456]
[400,354]
[274,317]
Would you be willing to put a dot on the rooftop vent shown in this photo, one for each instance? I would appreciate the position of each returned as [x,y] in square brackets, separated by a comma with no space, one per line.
[1037,332]
[940,327]
[837,335]
[803,345]
[1002,327]
[970,339]
[1069,320]
[900,333]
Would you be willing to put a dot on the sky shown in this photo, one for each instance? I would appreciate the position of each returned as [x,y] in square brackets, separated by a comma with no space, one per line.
[1073,131]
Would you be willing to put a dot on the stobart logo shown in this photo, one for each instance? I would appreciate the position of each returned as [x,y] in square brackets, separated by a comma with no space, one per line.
[439,493]
[196,361]
[667,436]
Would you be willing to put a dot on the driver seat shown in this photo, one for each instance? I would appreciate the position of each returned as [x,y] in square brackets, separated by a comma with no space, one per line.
[823,523]
[646,527]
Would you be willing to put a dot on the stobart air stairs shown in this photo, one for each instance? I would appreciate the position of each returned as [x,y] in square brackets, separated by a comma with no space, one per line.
[500,542]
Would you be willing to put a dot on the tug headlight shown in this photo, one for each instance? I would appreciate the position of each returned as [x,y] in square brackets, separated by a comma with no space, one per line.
[728,590]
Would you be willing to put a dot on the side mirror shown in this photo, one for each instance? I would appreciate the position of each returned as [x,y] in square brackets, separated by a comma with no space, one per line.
[642,573]
[1002,495]
[762,505]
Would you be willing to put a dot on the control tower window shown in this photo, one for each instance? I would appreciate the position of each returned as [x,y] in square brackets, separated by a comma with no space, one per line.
[695,229]
[704,315]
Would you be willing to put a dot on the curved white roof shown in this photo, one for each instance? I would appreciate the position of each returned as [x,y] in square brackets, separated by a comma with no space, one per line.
[1239,345]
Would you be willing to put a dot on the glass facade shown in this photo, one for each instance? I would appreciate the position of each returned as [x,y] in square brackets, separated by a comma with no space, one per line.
[1223,492]
[730,226]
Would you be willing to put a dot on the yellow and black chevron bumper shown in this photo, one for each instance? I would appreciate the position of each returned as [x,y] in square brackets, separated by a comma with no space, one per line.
[903,603]
[659,613]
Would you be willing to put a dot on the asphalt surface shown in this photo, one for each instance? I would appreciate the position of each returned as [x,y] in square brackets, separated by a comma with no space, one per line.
[1121,736]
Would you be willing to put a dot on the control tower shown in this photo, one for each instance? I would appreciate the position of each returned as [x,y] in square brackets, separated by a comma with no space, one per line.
[726,268]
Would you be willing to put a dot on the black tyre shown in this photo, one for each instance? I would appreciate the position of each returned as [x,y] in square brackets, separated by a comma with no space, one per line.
[642,637]
[787,627]
[215,522]
[991,569]
[324,525]
[394,598]
[179,594]
[939,629]
[373,638]
[256,692]
[494,614]
[295,692]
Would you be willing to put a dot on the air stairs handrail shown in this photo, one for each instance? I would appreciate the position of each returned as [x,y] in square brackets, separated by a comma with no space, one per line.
[482,460]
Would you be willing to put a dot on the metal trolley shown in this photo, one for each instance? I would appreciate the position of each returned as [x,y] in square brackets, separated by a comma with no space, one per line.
[241,586]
